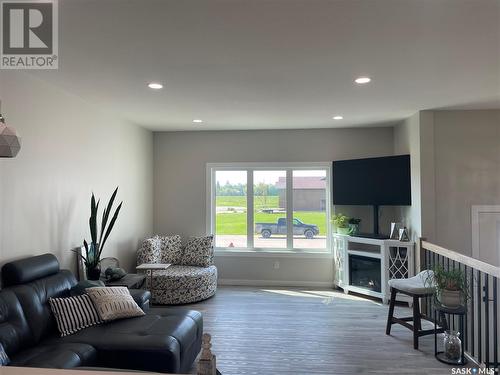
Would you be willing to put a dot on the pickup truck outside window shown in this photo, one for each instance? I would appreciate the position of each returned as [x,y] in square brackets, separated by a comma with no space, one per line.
[266,230]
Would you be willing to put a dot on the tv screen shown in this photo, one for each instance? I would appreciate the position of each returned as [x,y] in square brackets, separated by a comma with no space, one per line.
[381,181]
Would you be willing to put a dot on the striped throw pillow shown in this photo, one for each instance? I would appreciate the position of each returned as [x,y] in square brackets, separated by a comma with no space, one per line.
[114,303]
[4,358]
[74,313]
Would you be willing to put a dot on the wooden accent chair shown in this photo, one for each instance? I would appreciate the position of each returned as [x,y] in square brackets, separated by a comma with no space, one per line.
[419,286]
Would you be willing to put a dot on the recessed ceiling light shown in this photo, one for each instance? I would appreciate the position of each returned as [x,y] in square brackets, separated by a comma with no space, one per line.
[155,85]
[362,80]
[197,120]
[338,117]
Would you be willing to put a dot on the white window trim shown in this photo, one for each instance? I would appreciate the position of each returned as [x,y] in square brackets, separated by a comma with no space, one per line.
[211,168]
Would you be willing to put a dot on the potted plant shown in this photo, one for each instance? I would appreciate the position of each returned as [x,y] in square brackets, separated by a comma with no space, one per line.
[354,225]
[341,223]
[452,287]
[93,250]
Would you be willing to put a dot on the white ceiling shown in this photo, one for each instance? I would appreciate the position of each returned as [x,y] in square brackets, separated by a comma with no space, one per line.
[272,64]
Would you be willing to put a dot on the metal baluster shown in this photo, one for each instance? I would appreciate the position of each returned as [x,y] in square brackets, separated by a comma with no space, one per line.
[495,321]
[433,264]
[466,326]
[486,300]
[479,315]
[472,320]
[452,317]
[427,299]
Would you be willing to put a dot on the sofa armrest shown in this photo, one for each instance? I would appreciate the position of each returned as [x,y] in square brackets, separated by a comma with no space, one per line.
[141,297]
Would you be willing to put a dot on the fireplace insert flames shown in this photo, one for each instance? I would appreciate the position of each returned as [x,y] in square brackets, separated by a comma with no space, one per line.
[364,272]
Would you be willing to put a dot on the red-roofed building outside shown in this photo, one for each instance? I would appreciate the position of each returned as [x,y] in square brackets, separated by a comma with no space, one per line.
[309,193]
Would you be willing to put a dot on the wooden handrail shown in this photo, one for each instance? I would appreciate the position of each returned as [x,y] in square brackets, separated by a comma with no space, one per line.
[463,259]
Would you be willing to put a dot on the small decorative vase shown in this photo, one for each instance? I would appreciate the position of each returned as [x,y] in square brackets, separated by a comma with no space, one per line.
[94,273]
[452,346]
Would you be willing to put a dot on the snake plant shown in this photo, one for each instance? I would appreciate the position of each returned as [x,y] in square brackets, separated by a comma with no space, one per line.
[98,238]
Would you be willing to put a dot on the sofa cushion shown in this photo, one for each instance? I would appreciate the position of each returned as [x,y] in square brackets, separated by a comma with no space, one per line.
[80,288]
[28,269]
[150,251]
[163,340]
[141,297]
[14,330]
[114,303]
[198,251]
[171,249]
[56,355]
[74,314]
[34,298]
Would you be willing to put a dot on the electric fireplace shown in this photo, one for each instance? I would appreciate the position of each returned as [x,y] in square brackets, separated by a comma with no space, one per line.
[364,272]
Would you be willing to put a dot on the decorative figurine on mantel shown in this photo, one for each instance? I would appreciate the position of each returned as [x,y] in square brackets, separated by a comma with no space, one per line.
[395,231]
[403,235]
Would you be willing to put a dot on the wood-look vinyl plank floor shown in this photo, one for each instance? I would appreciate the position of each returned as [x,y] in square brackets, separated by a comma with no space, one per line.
[278,331]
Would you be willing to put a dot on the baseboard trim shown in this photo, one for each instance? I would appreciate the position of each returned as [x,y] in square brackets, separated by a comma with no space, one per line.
[260,283]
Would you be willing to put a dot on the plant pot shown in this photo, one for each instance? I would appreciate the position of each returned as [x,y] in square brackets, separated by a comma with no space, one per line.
[451,298]
[94,273]
[343,230]
[354,228]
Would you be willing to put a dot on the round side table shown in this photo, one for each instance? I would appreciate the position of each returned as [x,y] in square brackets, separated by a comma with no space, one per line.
[440,310]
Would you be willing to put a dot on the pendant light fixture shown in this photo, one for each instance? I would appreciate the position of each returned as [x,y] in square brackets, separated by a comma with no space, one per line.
[10,143]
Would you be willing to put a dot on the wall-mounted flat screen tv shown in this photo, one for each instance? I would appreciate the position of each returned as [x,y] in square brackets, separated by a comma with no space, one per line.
[383,181]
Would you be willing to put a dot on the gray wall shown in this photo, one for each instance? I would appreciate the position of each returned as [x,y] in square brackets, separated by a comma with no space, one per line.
[467,172]
[180,184]
[70,148]
[415,136]
[455,165]
[407,141]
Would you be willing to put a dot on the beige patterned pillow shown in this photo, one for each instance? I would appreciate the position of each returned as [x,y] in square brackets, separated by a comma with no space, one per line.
[114,303]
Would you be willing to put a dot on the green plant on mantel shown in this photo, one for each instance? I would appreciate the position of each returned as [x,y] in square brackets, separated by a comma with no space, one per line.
[354,221]
[340,220]
[94,250]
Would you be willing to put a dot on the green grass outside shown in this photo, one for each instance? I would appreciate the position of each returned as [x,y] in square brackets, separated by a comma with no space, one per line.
[236,223]
[239,201]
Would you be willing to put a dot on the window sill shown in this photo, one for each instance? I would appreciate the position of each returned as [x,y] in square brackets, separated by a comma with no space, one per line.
[273,253]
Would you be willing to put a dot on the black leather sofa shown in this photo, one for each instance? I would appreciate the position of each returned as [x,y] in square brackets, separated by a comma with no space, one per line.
[164,340]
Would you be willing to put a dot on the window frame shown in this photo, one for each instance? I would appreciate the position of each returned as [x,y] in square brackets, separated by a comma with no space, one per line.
[211,169]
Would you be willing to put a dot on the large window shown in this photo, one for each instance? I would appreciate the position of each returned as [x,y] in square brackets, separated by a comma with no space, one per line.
[269,206]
